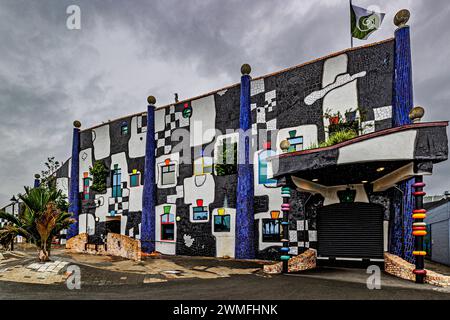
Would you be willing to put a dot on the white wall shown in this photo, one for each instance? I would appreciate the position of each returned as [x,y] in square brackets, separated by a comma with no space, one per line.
[225,241]
[136,144]
[102,142]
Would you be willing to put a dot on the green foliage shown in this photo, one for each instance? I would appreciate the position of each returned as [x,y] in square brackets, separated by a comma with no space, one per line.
[340,136]
[48,178]
[226,163]
[340,130]
[335,138]
[99,173]
[43,216]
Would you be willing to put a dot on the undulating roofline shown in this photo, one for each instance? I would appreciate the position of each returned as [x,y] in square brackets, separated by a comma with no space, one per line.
[257,78]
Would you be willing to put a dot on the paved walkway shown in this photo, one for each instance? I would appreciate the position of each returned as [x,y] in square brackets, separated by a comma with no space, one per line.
[166,277]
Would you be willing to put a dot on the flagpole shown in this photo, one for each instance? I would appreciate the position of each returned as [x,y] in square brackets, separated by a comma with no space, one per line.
[351,35]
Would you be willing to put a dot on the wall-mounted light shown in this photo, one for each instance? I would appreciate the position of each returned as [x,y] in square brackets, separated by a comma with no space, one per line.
[178,218]
[380,169]
[315,180]
[97,219]
[364,181]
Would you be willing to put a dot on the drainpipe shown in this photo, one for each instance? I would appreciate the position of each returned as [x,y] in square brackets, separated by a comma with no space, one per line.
[149,192]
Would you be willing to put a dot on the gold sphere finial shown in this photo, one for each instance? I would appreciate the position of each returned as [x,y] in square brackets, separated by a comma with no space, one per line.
[246,69]
[151,100]
[284,145]
[402,17]
[416,114]
[77,124]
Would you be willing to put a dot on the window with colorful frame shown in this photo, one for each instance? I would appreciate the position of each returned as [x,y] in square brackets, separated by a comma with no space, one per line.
[271,230]
[200,212]
[86,188]
[295,141]
[262,167]
[168,226]
[134,179]
[116,182]
[222,223]
[168,174]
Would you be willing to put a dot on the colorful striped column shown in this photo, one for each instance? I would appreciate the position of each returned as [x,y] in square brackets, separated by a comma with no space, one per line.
[74,192]
[419,229]
[149,192]
[286,208]
[245,240]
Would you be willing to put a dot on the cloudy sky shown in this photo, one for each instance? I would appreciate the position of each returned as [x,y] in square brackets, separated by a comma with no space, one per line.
[126,50]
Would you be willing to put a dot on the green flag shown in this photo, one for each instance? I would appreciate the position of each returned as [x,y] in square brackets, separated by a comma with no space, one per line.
[364,22]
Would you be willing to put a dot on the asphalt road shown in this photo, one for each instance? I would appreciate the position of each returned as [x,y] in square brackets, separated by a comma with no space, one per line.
[233,288]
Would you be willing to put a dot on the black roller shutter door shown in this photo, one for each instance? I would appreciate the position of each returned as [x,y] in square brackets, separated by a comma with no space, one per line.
[350,230]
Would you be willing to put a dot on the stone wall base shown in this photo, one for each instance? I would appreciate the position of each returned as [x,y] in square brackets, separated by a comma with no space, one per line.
[398,267]
[116,245]
[304,261]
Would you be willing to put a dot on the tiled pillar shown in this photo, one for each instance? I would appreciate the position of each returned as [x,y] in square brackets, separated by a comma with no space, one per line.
[245,241]
[402,103]
[403,86]
[149,192]
[74,194]
[286,208]
[419,229]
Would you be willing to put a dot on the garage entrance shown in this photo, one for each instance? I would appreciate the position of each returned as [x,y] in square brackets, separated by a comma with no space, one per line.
[350,230]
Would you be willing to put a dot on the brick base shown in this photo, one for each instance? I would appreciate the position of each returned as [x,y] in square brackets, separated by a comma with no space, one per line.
[116,245]
[398,267]
[304,261]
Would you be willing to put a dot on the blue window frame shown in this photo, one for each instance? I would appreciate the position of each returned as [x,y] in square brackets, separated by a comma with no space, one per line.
[116,182]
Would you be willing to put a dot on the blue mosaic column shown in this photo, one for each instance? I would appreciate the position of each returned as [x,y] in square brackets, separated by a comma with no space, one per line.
[245,241]
[37,181]
[149,193]
[402,103]
[403,87]
[74,194]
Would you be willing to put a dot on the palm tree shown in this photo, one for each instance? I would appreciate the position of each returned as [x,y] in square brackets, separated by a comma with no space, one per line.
[43,216]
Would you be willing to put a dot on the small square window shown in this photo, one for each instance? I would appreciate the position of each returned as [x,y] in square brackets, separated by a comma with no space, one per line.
[271,230]
[134,180]
[200,213]
[168,227]
[168,232]
[124,129]
[222,223]
[168,175]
